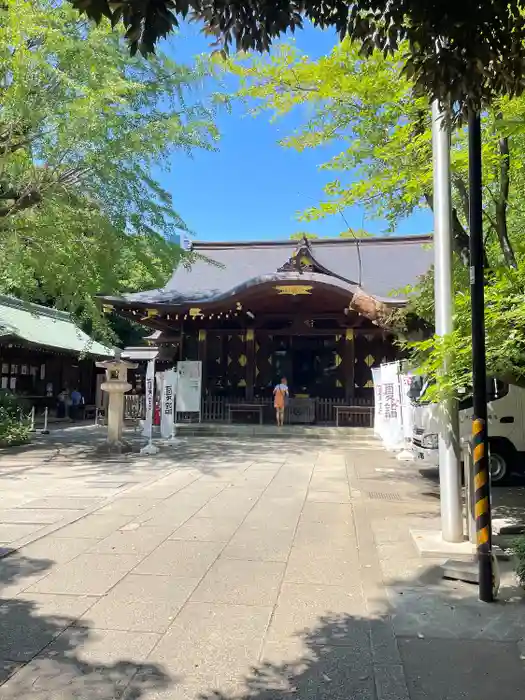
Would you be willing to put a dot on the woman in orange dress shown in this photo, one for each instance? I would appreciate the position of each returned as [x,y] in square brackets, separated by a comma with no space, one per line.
[280,394]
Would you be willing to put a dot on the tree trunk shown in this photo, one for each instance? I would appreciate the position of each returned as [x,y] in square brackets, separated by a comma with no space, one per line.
[502,202]
[461,237]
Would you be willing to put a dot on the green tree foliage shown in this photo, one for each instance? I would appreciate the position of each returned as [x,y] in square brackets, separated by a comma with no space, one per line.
[299,235]
[385,165]
[14,420]
[349,233]
[504,323]
[355,233]
[467,51]
[82,125]
[384,129]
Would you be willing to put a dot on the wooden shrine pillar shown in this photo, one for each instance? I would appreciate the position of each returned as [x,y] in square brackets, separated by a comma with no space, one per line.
[349,365]
[202,350]
[250,363]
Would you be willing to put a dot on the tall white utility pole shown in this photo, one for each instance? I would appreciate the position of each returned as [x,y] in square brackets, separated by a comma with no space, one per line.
[449,450]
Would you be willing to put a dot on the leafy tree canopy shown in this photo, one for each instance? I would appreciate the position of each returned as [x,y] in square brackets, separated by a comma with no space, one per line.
[82,124]
[385,164]
[467,51]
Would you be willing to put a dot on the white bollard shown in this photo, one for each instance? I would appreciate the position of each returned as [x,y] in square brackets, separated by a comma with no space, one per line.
[32,419]
[45,431]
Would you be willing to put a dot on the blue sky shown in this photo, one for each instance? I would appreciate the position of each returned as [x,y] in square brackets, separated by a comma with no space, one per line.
[252,188]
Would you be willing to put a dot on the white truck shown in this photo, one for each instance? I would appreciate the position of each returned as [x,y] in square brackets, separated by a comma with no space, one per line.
[506,427]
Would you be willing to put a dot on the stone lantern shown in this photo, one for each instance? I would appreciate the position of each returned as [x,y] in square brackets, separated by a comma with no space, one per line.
[116,385]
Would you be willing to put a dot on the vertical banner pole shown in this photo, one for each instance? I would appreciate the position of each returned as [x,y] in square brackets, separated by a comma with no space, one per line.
[147,432]
[447,411]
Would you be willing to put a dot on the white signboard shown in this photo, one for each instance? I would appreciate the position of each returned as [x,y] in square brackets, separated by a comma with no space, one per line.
[167,405]
[378,402]
[189,386]
[392,426]
[150,392]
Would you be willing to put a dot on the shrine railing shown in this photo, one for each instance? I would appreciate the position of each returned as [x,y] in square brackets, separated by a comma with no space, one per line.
[134,406]
[215,410]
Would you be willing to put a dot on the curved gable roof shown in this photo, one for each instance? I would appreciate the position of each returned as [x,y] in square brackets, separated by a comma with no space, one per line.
[379,266]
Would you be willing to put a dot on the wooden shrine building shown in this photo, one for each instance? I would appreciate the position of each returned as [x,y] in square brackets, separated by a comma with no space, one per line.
[43,351]
[314,311]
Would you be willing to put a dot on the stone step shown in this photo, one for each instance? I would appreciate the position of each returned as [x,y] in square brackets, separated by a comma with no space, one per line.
[272,431]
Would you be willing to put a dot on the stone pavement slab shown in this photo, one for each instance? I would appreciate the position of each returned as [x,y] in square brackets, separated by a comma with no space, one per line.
[462,669]
[181,558]
[333,496]
[310,671]
[129,506]
[211,647]
[324,536]
[57,550]
[140,541]
[220,565]
[235,501]
[61,503]
[10,532]
[241,582]
[24,622]
[141,603]
[333,568]
[95,525]
[452,611]
[253,543]
[39,516]
[87,574]
[219,529]
[103,665]
[301,607]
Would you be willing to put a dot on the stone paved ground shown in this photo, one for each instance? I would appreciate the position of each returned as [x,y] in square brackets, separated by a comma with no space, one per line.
[237,569]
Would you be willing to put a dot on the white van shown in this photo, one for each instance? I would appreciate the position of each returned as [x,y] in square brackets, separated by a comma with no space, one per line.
[506,427]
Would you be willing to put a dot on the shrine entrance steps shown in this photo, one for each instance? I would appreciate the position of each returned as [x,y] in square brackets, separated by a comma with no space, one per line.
[242,430]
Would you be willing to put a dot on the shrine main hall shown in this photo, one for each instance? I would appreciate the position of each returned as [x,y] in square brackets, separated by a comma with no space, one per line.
[314,311]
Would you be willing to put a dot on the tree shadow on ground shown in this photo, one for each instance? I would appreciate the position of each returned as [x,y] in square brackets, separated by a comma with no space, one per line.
[448,644]
[207,455]
[45,655]
[331,661]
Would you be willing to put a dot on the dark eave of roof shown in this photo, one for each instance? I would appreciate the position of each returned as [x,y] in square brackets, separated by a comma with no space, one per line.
[313,242]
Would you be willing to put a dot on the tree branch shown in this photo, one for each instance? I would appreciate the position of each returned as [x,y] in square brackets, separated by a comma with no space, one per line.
[501,203]
[24,200]
[461,237]
[462,190]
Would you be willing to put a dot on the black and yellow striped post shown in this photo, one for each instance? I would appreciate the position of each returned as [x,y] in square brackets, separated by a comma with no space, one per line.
[482,510]
[479,364]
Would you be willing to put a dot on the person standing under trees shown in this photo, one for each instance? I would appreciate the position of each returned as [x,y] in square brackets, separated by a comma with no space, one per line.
[77,401]
[62,400]
[280,395]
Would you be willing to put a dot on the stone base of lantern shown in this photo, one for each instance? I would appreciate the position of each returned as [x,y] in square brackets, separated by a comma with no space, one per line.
[149,449]
[117,447]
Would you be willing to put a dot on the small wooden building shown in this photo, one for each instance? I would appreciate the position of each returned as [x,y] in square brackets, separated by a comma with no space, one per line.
[42,351]
[313,311]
